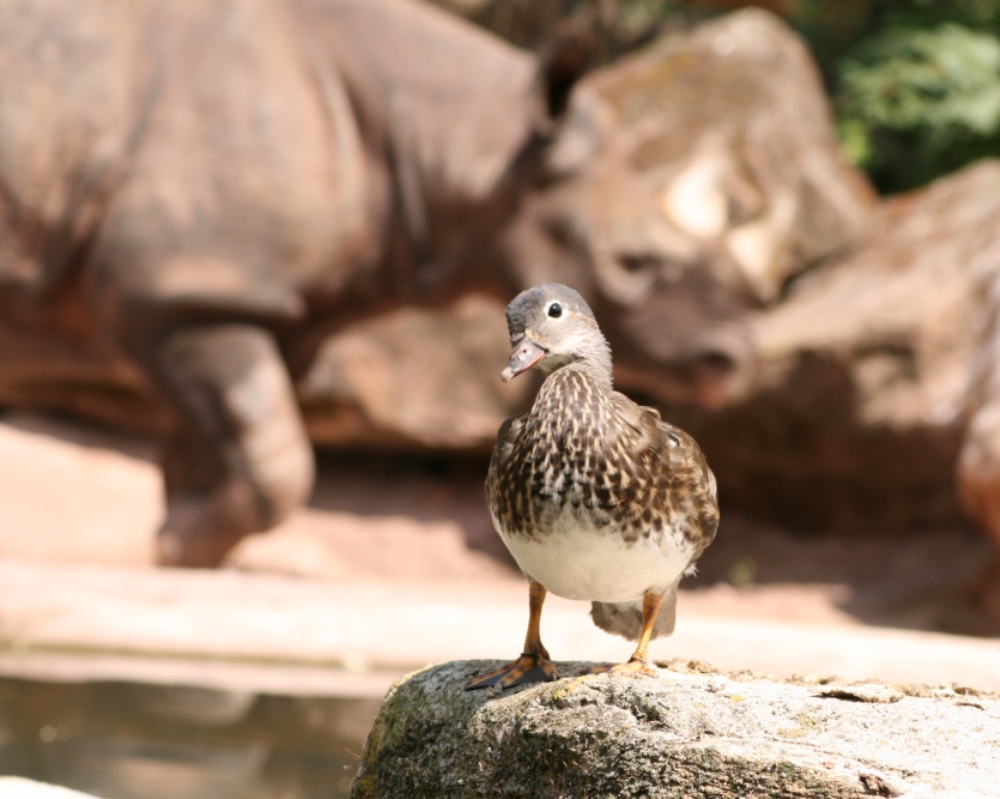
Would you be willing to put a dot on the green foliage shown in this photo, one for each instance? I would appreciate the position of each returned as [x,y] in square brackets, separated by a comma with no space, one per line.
[913,103]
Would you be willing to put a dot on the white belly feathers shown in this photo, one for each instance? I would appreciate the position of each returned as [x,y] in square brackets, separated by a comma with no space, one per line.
[577,560]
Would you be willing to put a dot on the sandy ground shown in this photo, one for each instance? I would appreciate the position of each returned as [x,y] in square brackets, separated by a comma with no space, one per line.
[383,530]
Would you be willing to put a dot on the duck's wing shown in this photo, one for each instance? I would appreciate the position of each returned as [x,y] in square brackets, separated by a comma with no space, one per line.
[671,476]
[503,451]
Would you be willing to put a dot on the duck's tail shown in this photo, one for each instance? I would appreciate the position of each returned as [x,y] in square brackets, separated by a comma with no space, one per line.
[625,618]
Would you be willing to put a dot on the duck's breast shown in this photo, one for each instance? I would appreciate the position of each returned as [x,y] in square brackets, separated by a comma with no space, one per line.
[577,559]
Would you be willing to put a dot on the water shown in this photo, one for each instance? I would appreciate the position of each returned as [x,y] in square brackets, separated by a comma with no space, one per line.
[125,740]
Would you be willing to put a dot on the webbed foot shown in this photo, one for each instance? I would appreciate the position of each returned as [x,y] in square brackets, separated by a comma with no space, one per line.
[526,669]
[632,666]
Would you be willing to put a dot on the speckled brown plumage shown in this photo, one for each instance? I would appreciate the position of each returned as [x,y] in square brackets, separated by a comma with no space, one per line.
[596,496]
[598,453]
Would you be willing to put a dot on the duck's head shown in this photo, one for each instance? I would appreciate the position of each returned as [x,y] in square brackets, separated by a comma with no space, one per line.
[551,326]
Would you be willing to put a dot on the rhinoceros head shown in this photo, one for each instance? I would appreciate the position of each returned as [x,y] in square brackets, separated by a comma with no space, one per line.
[591,220]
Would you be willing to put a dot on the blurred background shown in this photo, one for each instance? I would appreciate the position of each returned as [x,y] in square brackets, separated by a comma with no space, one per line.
[913,85]
[826,328]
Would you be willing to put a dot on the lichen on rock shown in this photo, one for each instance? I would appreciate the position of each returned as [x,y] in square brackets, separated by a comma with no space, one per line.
[687,734]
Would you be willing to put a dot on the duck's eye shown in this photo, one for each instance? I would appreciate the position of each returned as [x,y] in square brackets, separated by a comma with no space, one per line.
[555,310]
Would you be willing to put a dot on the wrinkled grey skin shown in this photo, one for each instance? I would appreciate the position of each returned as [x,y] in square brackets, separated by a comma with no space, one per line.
[192,195]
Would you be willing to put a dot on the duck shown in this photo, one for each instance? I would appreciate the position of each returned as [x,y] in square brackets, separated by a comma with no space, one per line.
[595,496]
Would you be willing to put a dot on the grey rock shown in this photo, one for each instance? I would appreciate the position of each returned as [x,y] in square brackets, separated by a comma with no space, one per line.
[691,733]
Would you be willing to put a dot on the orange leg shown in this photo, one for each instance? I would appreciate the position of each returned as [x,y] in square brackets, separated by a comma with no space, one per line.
[639,662]
[534,664]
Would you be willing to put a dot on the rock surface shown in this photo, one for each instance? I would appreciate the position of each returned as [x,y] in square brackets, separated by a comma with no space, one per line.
[854,418]
[731,125]
[693,732]
[415,378]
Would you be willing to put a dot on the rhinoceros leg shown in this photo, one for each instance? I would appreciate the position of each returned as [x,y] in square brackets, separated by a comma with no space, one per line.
[238,459]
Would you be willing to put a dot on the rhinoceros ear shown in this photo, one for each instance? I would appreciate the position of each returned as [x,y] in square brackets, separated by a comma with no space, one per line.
[561,65]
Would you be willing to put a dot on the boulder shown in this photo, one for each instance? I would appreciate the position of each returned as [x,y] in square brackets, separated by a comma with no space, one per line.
[415,378]
[854,419]
[693,732]
[978,473]
[731,125]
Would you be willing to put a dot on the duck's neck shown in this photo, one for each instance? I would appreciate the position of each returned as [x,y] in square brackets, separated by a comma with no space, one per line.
[572,389]
[597,369]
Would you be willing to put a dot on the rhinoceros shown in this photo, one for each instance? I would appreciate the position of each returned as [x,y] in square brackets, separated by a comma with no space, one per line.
[192,195]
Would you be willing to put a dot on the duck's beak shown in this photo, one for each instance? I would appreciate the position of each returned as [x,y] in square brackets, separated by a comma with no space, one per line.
[525,355]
